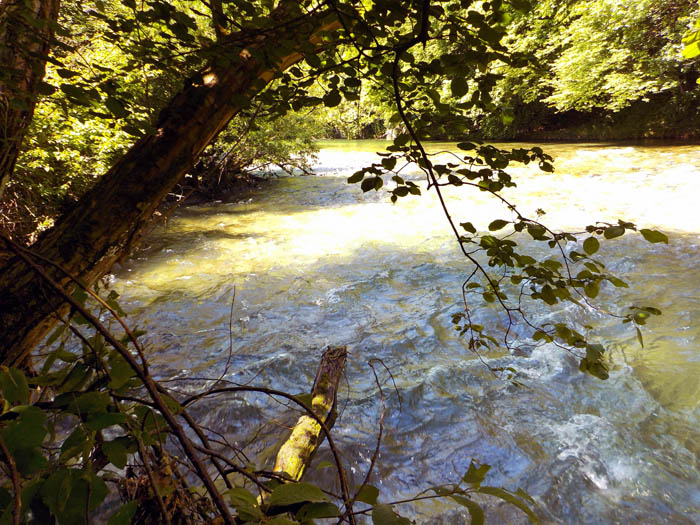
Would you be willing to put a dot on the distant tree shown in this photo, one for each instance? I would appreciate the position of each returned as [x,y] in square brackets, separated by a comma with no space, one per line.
[26,32]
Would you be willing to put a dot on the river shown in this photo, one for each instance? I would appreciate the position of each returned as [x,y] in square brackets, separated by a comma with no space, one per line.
[314,261]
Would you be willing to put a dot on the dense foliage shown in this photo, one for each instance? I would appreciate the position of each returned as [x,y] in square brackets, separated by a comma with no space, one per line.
[602,70]
[594,70]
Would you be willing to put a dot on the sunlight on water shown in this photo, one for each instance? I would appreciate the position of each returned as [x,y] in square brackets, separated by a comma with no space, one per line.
[314,262]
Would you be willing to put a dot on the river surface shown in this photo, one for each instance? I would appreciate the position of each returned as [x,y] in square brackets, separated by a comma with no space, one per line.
[315,262]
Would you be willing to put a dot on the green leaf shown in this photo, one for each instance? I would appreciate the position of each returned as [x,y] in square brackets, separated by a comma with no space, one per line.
[537,232]
[653,236]
[454,179]
[402,139]
[459,87]
[291,493]
[368,494]
[77,377]
[312,511]
[98,489]
[80,95]
[14,386]
[104,420]
[116,107]
[28,431]
[596,369]
[476,513]
[115,452]
[245,503]
[595,352]
[591,245]
[30,460]
[474,474]
[56,489]
[618,283]
[66,73]
[613,231]
[353,82]
[87,492]
[55,335]
[510,498]
[592,289]
[497,225]
[119,371]
[389,163]
[46,89]
[385,515]
[332,98]
[89,403]
[240,496]
[548,295]
[79,442]
[468,226]
[371,183]
[691,50]
[124,514]
[356,177]
[546,166]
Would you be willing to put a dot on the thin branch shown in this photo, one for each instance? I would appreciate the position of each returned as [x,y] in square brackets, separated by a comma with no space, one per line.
[14,474]
[152,479]
[145,378]
[269,391]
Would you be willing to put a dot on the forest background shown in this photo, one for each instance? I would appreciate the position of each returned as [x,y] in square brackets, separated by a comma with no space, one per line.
[595,70]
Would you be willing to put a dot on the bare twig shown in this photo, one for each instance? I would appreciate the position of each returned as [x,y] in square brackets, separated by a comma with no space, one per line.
[145,378]
[154,485]
[14,475]
[272,392]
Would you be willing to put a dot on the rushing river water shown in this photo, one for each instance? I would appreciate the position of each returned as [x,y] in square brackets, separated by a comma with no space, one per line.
[315,262]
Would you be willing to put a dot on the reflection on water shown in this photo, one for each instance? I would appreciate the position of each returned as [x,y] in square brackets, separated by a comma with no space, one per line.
[315,262]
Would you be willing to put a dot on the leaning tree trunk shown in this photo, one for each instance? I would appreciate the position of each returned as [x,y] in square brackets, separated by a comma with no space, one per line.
[107,222]
[26,30]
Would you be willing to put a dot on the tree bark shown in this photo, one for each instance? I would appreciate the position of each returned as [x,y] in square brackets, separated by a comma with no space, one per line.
[26,31]
[108,221]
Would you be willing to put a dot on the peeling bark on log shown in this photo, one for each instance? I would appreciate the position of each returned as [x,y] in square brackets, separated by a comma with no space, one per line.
[108,221]
[296,453]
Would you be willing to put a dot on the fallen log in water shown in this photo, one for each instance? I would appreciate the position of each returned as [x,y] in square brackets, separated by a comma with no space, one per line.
[307,435]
